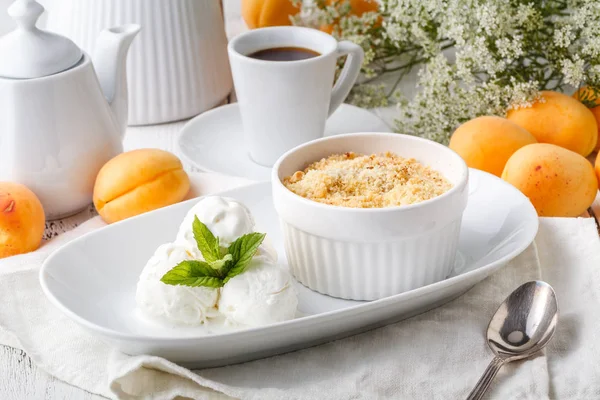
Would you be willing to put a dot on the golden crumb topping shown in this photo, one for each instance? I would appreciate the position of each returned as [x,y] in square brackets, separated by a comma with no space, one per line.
[367,181]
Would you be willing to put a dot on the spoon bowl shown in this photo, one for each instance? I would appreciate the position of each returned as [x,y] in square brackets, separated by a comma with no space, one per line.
[523,324]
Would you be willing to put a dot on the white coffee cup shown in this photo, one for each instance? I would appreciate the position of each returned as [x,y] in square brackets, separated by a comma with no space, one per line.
[286,103]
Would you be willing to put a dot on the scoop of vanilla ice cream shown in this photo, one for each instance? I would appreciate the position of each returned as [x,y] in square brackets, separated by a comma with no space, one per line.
[262,295]
[226,218]
[178,304]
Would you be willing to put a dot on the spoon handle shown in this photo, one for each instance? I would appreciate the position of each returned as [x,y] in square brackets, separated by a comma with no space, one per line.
[486,379]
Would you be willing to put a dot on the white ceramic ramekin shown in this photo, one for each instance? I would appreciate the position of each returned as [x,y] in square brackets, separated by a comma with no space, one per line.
[367,254]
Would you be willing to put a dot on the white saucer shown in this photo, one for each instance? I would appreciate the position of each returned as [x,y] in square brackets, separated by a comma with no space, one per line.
[213,141]
[96,288]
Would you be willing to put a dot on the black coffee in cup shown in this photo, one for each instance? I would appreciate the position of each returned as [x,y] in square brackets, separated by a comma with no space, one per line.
[284,54]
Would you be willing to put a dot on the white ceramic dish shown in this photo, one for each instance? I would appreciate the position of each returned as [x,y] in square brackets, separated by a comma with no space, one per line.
[214,140]
[96,287]
[404,247]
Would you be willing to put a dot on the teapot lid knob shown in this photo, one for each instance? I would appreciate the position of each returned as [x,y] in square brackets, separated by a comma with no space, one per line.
[26,13]
[29,52]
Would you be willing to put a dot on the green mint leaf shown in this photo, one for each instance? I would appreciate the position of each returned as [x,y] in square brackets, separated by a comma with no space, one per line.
[223,265]
[242,251]
[217,248]
[207,243]
[193,273]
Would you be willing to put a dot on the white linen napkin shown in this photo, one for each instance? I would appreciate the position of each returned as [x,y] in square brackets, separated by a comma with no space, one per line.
[436,355]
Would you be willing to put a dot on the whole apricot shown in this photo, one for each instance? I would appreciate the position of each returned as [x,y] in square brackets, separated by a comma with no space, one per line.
[561,120]
[559,182]
[22,220]
[263,13]
[486,143]
[588,95]
[138,181]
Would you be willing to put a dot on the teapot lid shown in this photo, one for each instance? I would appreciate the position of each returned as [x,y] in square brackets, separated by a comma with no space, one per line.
[29,52]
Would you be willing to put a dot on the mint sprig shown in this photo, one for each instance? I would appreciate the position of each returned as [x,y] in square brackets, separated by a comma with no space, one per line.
[217,268]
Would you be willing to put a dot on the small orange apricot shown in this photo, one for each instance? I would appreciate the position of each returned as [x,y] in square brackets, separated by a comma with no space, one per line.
[263,13]
[486,143]
[22,220]
[139,181]
[561,120]
[559,182]
[582,94]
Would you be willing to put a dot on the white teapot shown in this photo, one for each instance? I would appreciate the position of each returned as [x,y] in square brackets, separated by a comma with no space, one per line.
[59,121]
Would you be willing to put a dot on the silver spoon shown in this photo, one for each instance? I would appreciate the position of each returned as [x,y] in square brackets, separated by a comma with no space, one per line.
[521,327]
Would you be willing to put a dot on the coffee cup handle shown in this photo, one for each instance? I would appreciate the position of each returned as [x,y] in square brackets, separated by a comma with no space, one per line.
[349,74]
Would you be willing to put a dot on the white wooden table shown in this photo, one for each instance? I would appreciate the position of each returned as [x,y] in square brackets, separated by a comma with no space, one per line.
[20,379]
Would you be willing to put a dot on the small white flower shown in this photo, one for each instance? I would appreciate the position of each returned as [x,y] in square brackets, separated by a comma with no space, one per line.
[564,37]
[573,71]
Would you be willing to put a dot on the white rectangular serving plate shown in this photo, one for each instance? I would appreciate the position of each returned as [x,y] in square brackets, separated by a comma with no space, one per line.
[93,279]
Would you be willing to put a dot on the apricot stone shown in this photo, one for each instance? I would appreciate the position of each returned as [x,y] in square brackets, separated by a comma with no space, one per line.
[561,120]
[559,182]
[22,220]
[139,181]
[486,143]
